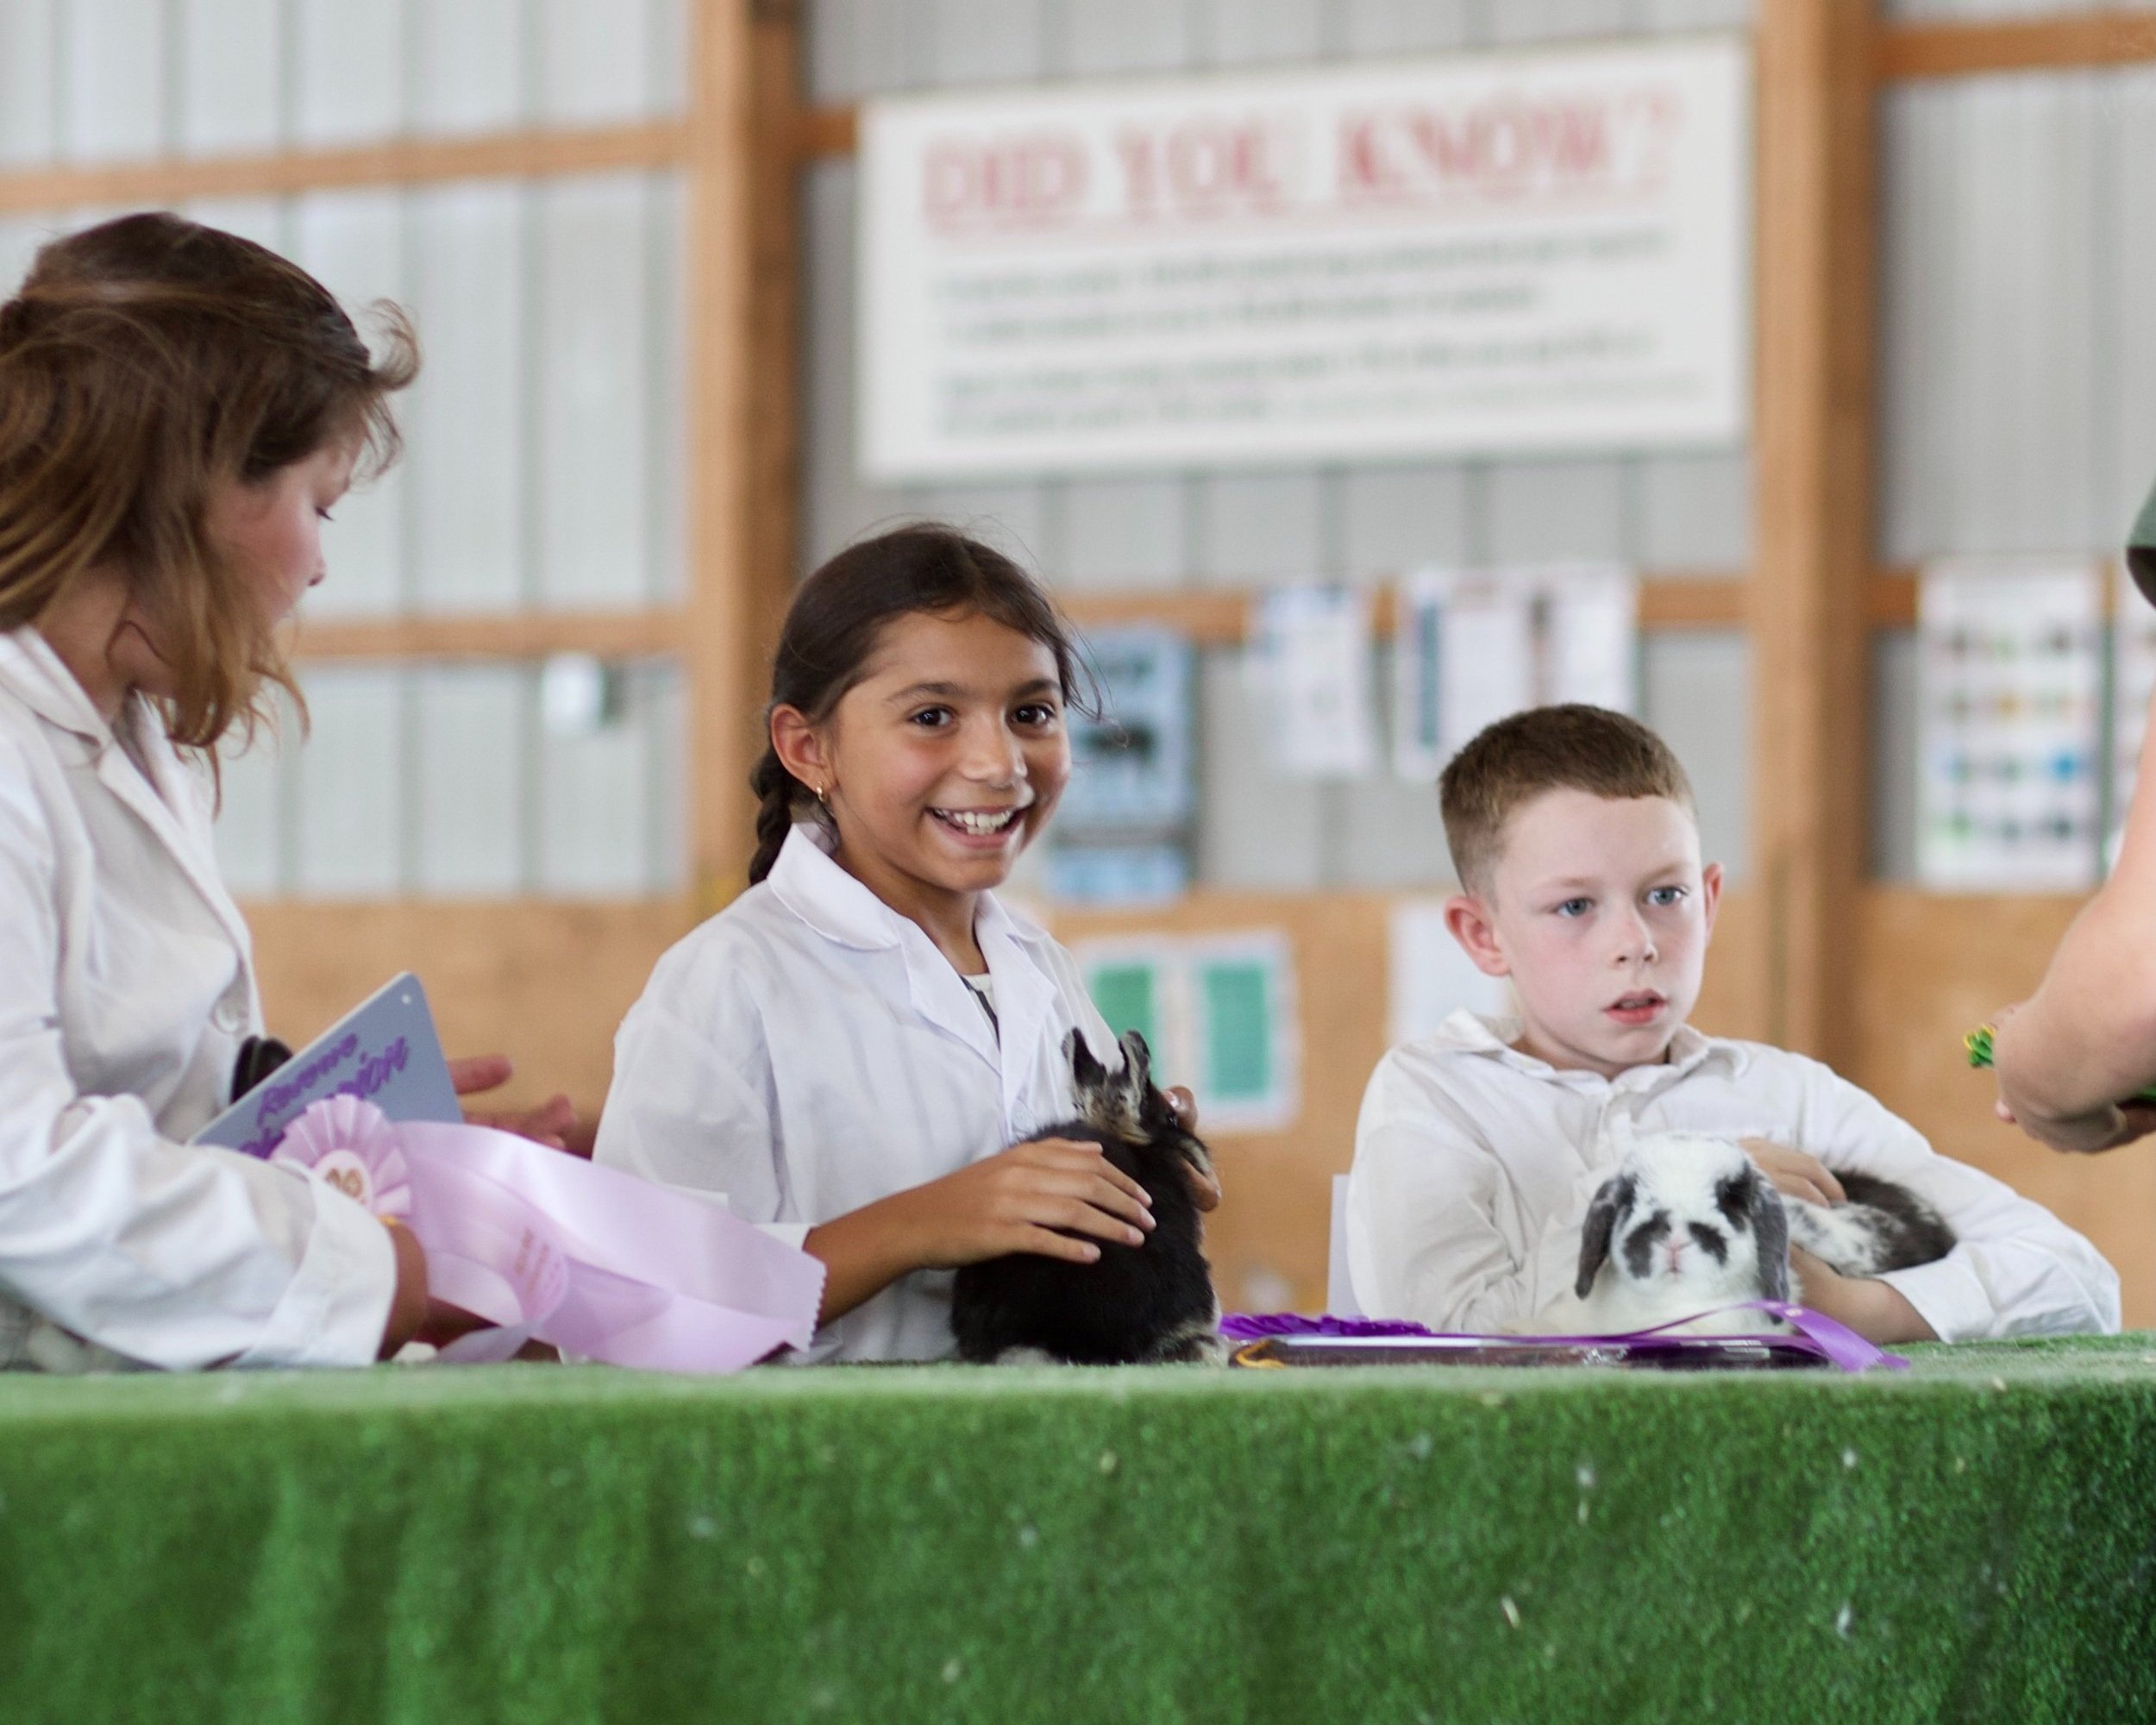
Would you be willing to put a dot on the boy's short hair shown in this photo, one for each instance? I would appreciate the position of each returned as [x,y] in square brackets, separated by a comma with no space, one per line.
[1572,748]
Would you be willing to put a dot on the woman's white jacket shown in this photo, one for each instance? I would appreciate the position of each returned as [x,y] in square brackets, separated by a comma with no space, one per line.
[127,984]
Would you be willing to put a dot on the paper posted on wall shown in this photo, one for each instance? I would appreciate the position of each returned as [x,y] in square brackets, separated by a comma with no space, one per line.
[1310,672]
[2010,671]
[1474,647]
[1431,976]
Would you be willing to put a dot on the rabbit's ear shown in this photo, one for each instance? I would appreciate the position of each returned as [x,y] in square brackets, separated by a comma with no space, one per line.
[1085,1069]
[1612,1198]
[1770,1232]
[1138,1063]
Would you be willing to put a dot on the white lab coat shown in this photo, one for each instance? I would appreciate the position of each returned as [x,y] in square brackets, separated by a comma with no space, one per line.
[808,1051]
[1474,1164]
[126,986]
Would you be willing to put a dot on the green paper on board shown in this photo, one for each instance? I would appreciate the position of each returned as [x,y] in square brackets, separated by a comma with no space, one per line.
[1128,996]
[1239,1020]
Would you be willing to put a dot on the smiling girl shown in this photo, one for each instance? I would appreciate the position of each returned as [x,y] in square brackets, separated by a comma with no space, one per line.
[844,1052]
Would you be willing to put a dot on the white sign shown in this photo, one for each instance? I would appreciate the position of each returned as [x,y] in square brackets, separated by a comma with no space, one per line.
[1496,252]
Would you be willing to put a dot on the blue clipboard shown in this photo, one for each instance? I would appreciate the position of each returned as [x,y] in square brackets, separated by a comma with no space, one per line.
[385,1051]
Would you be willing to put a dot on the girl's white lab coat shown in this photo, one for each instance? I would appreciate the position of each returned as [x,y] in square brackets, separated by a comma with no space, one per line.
[126,986]
[808,1051]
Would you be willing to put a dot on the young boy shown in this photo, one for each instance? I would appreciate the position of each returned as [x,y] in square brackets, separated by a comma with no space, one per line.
[1577,849]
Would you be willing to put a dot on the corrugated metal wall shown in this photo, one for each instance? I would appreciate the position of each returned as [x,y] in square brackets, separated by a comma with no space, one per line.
[544,437]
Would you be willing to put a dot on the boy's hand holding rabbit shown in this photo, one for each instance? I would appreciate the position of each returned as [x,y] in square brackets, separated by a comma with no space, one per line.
[1793,1174]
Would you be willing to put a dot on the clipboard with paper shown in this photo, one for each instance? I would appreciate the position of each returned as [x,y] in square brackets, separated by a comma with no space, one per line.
[385,1051]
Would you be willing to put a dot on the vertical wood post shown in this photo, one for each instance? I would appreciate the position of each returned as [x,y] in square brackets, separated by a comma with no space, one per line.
[743,248]
[1811,456]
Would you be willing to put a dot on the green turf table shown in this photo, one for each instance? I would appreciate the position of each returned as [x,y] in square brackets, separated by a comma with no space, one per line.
[1975,1538]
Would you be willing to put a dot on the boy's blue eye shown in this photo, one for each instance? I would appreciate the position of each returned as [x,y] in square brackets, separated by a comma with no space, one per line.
[1575,908]
[1665,896]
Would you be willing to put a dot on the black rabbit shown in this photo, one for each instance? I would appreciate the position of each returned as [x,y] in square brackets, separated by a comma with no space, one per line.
[1136,1305]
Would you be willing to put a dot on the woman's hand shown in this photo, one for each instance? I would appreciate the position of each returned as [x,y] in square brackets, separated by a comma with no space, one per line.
[2099,1129]
[553,1123]
[1204,1188]
[1032,1197]
[1793,1174]
[408,1306]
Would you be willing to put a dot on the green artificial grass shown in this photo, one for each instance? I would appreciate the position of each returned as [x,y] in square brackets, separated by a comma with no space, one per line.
[1973,1540]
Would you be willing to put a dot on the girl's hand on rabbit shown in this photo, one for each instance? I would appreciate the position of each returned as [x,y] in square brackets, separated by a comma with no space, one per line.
[1793,1174]
[1032,1197]
[1204,1188]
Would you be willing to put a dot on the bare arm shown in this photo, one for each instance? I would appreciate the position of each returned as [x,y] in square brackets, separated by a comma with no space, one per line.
[2087,1037]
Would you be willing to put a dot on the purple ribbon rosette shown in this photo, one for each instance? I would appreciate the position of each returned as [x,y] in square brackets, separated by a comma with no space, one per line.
[547,1247]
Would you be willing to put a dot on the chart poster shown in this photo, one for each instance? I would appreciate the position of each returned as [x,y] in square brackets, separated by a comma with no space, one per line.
[1506,253]
[2011,674]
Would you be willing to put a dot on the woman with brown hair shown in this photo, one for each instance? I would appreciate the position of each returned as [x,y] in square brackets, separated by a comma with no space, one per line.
[180,409]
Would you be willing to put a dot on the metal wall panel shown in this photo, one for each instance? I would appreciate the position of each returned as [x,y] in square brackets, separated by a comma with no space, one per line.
[111,80]
[354,243]
[30,94]
[230,86]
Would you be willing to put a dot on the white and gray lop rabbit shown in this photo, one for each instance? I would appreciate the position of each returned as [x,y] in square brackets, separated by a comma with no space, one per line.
[1688,1225]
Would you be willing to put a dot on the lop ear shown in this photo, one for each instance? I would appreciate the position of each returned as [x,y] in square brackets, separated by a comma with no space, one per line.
[1771,1229]
[1612,1198]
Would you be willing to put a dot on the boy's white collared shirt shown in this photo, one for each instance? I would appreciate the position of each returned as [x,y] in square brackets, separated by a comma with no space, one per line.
[126,985]
[1474,1164]
[808,1051]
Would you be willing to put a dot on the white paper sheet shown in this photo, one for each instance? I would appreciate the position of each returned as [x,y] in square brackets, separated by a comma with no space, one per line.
[1431,976]
[1310,676]
[1590,640]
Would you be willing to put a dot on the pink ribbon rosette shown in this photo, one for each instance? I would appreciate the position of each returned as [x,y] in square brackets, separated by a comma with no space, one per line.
[545,1246]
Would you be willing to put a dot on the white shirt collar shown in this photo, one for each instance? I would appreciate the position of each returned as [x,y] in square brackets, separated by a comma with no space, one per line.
[37,676]
[1470,1033]
[840,908]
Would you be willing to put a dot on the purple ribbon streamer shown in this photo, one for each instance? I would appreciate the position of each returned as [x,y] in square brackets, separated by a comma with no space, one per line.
[1830,1339]
[543,1245]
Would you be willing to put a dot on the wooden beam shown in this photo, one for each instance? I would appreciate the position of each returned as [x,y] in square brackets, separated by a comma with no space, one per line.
[827,131]
[398,161]
[1212,617]
[2054,44]
[608,634]
[743,114]
[1812,460]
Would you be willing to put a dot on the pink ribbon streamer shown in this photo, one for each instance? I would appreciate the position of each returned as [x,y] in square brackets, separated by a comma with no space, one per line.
[546,1246]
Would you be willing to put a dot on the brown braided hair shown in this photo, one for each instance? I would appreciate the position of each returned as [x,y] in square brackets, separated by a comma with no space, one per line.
[839,614]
